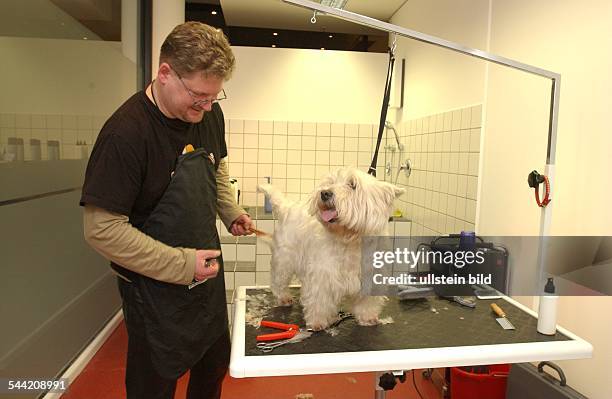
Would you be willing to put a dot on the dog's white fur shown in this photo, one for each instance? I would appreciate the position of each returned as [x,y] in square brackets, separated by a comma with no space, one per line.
[326,255]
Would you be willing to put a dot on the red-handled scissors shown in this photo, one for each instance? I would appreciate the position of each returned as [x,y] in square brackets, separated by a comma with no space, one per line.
[289,331]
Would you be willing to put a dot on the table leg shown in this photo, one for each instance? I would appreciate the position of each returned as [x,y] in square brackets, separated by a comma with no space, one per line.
[379,392]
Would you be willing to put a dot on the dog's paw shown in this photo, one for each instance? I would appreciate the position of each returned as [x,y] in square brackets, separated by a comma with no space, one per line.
[368,320]
[319,322]
[317,326]
[264,188]
[285,300]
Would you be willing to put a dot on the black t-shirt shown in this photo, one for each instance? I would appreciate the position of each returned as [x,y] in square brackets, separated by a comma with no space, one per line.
[136,152]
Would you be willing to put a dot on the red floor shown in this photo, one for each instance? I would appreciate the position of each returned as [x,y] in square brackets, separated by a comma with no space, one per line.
[103,379]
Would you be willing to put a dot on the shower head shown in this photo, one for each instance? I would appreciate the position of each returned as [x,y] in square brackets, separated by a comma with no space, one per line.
[390,126]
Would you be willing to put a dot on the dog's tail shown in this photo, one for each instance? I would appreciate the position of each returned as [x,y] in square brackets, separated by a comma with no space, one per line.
[267,239]
[280,204]
[263,235]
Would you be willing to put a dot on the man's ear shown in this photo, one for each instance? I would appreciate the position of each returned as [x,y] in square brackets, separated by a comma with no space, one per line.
[163,72]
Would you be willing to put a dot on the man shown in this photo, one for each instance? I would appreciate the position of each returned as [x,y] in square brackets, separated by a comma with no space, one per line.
[150,208]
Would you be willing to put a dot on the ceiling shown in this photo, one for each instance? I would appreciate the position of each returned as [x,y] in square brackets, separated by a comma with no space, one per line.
[101,19]
[59,19]
[274,23]
[100,16]
[280,15]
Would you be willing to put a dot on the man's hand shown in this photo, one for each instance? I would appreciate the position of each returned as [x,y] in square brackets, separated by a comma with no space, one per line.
[206,264]
[241,226]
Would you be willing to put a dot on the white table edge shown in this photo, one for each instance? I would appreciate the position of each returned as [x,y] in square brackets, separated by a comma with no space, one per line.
[242,366]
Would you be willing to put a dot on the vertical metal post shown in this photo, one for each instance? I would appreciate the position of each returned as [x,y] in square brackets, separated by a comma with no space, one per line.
[546,214]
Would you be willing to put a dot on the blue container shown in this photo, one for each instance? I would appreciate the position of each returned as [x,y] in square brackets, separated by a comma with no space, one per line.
[467,240]
[267,203]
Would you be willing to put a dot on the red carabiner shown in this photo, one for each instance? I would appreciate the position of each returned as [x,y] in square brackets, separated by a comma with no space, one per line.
[546,199]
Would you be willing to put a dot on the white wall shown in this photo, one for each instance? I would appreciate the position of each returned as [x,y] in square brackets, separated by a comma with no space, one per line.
[61,76]
[570,38]
[515,140]
[439,80]
[93,77]
[305,85]
[166,14]
[575,40]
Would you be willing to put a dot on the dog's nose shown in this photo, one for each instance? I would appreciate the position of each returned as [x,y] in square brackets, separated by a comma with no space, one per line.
[326,194]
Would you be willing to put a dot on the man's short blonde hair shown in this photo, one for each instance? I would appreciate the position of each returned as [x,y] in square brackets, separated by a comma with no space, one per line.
[197,47]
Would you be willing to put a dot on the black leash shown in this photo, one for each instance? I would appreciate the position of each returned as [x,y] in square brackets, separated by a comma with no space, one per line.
[383,112]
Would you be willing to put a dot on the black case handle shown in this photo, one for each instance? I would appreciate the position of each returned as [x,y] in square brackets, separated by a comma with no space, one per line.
[562,379]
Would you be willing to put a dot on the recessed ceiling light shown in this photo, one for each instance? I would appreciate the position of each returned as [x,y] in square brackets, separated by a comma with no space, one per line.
[275,33]
[334,3]
[213,12]
[330,36]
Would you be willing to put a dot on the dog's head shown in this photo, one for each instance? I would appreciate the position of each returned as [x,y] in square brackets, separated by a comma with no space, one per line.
[349,201]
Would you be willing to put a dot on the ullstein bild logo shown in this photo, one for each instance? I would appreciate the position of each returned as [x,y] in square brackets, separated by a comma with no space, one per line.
[430,279]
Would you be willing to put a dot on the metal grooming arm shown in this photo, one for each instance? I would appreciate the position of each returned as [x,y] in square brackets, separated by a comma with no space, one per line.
[436,41]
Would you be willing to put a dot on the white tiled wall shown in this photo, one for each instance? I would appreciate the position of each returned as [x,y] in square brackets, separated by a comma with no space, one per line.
[294,154]
[444,150]
[254,257]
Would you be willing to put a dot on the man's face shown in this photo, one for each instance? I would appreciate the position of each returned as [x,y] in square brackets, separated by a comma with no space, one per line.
[189,96]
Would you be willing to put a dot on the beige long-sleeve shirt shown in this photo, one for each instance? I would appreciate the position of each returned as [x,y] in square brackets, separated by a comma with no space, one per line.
[112,235]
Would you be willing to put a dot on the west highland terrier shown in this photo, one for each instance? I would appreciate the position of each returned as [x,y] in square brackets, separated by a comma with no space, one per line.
[319,241]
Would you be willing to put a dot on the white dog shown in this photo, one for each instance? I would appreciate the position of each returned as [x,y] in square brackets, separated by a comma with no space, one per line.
[319,241]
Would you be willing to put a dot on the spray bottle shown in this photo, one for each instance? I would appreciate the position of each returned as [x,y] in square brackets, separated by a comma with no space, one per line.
[547,313]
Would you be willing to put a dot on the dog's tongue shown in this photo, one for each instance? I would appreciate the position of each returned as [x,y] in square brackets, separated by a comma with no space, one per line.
[329,214]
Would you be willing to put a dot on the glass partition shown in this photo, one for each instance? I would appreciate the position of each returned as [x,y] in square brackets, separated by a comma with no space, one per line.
[66,66]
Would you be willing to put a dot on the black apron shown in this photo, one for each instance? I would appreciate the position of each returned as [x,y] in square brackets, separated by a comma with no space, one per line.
[181,324]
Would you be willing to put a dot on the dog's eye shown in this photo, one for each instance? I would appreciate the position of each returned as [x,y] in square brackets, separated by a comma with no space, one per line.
[352,184]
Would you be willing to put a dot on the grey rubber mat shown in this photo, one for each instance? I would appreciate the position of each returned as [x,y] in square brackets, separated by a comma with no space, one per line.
[415,325]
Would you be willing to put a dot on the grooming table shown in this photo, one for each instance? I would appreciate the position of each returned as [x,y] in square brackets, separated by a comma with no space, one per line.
[418,338]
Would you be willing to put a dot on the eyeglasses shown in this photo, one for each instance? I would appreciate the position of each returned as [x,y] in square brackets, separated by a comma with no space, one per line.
[203,102]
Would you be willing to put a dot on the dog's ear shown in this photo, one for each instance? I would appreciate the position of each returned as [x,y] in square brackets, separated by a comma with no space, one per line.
[398,190]
[394,190]
[389,192]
